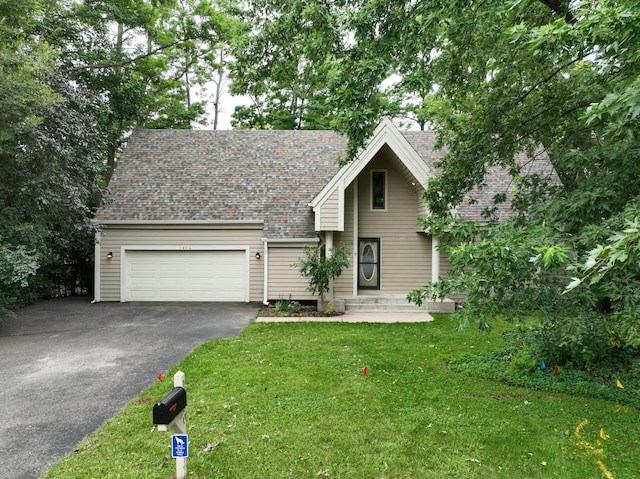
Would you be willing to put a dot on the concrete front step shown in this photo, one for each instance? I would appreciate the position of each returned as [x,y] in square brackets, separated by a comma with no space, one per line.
[381,307]
[399,304]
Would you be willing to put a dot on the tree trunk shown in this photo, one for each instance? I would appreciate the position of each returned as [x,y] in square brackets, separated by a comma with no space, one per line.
[115,124]
[218,93]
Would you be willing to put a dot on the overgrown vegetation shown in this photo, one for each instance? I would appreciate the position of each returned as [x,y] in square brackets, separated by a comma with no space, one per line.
[287,306]
[583,322]
[291,400]
[528,359]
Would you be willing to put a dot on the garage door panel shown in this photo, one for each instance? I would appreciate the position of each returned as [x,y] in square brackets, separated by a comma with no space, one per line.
[186,275]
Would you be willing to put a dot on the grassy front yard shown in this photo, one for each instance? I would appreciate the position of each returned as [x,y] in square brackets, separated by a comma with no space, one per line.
[291,400]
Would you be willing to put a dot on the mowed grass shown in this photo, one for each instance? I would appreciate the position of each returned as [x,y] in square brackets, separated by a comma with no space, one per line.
[291,400]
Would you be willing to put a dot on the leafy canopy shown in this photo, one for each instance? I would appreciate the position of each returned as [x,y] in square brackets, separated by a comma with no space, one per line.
[550,78]
[75,78]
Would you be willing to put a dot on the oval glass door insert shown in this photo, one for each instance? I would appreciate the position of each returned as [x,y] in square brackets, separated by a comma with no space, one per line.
[368,263]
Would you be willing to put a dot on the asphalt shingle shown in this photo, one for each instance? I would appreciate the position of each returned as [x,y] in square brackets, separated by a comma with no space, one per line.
[247,175]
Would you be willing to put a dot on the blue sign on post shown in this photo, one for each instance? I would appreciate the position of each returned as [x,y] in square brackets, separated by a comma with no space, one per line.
[179,446]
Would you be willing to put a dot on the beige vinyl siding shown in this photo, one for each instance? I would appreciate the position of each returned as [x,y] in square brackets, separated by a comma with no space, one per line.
[421,208]
[330,213]
[284,280]
[418,190]
[113,237]
[405,253]
[445,264]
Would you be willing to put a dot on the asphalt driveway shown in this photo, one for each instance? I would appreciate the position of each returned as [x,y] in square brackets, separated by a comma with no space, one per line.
[67,365]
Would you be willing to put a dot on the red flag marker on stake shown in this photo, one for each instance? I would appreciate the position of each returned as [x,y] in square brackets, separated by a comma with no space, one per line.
[555,371]
[160,377]
[364,371]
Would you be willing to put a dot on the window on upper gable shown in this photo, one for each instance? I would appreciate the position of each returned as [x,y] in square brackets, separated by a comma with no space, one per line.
[378,190]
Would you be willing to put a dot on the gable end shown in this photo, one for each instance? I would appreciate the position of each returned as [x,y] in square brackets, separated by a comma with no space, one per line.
[385,134]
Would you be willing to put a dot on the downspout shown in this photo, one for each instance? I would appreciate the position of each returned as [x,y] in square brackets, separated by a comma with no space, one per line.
[96,268]
[265,269]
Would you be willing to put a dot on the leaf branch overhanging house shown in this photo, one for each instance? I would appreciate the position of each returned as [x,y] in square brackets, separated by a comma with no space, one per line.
[196,215]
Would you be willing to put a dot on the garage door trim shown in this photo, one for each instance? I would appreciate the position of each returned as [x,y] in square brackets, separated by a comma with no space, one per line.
[125,248]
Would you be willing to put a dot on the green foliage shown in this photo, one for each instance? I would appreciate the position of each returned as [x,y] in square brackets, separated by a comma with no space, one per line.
[612,272]
[502,271]
[499,268]
[527,347]
[290,399]
[321,268]
[51,159]
[283,306]
[26,65]
[18,267]
[329,309]
[284,63]
[620,255]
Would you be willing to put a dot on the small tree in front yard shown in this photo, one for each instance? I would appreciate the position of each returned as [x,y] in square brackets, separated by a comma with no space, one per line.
[322,269]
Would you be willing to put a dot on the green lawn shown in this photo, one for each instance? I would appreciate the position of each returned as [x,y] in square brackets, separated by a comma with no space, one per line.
[291,400]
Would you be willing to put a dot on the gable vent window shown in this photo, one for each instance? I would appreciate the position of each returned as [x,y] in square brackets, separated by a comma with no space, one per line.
[379,190]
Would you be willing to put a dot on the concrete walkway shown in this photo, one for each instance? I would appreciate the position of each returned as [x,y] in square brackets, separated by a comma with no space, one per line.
[353,317]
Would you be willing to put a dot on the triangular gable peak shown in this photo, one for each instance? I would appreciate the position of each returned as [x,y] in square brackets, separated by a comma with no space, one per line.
[328,205]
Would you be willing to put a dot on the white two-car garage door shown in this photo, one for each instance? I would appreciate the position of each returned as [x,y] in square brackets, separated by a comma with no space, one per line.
[177,275]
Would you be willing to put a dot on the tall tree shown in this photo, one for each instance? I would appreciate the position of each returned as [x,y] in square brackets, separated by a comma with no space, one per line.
[284,62]
[143,57]
[50,163]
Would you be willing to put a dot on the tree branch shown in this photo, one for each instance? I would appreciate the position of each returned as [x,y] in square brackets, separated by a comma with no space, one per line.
[561,7]
[128,61]
[547,78]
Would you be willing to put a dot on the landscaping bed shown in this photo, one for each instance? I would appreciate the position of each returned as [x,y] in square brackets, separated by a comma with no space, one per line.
[288,308]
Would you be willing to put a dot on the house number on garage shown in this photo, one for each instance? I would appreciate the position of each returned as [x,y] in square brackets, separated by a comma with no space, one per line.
[185,247]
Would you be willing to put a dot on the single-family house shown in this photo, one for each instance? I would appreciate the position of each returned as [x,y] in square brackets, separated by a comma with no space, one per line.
[195,215]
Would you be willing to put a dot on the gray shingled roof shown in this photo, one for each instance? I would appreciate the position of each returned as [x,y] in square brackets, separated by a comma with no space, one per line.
[231,175]
[201,175]
[497,181]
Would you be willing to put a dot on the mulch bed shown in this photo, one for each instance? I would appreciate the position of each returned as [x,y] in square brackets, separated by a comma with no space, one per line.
[304,311]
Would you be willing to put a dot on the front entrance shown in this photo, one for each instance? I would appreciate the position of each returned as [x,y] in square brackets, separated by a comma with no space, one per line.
[369,263]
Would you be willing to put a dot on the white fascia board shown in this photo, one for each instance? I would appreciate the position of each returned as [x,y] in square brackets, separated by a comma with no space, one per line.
[257,223]
[388,133]
[347,171]
[291,240]
[385,133]
[335,182]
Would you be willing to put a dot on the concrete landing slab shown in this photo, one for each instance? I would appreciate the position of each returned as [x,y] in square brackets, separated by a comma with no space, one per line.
[354,317]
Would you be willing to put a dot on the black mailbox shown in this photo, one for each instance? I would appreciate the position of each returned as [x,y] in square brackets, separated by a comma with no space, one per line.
[170,406]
